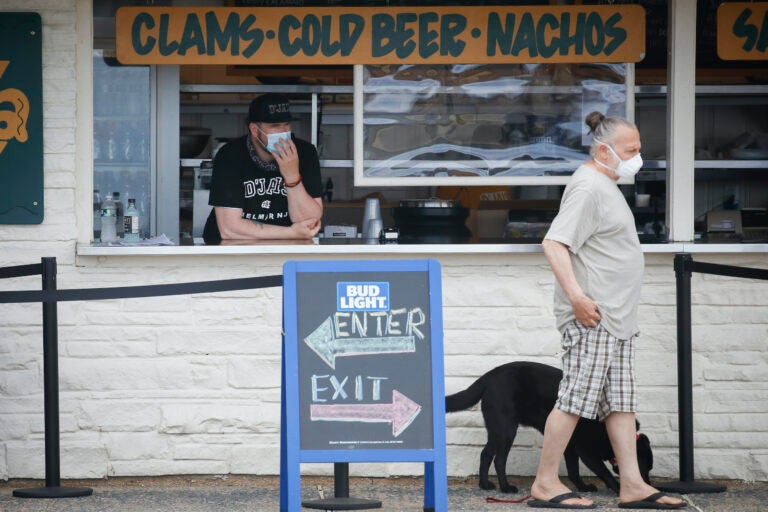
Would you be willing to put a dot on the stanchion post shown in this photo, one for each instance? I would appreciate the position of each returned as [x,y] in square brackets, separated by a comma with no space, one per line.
[341,479]
[52,487]
[341,499]
[686,484]
[51,375]
[684,365]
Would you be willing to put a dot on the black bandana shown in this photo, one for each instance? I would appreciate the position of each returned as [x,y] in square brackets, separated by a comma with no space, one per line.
[264,164]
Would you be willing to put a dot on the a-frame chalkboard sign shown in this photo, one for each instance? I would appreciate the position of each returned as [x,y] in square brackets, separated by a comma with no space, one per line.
[362,370]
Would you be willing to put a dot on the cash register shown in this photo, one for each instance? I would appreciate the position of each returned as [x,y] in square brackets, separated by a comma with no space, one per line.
[754,225]
[748,225]
[724,226]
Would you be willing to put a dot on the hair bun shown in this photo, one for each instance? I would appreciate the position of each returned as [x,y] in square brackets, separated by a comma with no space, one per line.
[593,120]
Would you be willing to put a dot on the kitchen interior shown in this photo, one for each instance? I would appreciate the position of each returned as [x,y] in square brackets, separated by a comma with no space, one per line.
[421,214]
[731,183]
[731,191]
[210,118]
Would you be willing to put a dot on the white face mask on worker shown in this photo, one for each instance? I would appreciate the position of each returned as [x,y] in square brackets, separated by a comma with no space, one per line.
[626,168]
[273,138]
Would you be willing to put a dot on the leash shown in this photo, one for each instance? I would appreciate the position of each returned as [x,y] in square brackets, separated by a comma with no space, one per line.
[491,499]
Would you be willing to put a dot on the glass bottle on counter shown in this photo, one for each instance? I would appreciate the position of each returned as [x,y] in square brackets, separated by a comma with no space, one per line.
[96,214]
[108,220]
[120,213]
[131,222]
[123,145]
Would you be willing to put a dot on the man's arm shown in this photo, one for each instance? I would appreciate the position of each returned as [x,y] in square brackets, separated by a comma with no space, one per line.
[233,226]
[301,206]
[559,259]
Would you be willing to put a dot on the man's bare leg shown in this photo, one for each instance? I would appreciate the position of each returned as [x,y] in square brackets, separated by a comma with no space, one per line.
[557,433]
[622,432]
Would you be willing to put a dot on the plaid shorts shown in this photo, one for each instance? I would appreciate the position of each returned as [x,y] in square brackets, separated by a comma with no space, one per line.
[598,373]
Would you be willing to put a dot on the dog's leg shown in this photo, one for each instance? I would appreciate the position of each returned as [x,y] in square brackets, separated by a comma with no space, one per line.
[486,457]
[597,466]
[500,463]
[501,435]
[572,466]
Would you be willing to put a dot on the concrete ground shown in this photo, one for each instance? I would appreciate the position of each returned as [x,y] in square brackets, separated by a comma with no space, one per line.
[236,493]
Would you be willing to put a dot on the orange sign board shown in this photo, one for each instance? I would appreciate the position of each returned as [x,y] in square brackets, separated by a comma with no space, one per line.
[373,35]
[742,31]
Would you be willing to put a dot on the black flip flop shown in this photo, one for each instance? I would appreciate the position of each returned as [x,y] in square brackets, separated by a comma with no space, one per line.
[651,503]
[557,502]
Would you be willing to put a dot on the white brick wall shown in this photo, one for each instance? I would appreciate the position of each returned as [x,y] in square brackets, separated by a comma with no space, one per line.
[190,384]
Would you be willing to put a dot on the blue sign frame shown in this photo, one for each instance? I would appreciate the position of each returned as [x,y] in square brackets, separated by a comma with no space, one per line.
[293,449]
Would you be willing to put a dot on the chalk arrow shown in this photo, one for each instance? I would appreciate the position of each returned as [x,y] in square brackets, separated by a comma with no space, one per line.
[326,345]
[401,412]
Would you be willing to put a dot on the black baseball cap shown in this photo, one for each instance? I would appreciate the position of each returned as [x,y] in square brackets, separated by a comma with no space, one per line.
[270,108]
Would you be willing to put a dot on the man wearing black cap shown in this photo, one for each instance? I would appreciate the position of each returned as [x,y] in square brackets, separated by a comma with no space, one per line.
[266,184]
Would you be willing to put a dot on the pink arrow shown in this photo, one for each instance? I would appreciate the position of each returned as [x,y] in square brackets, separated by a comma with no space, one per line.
[401,412]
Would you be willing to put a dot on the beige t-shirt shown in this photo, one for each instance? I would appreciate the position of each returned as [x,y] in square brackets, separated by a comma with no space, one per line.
[596,224]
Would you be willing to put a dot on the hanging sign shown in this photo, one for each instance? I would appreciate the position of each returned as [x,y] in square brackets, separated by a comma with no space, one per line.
[742,31]
[374,35]
[21,118]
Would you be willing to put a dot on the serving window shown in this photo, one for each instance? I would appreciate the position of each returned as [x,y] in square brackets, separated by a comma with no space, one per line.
[515,124]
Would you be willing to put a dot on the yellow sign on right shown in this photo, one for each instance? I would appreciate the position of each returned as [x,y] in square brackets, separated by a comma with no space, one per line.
[742,31]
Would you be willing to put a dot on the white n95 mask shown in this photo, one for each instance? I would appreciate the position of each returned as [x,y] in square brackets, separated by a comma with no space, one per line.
[626,168]
[630,167]
[273,138]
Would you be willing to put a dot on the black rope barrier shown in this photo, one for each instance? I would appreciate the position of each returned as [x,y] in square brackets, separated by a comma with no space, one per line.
[132,292]
[724,270]
[34,269]
[50,296]
[684,267]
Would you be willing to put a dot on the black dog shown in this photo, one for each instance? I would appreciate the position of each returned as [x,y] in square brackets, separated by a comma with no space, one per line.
[524,393]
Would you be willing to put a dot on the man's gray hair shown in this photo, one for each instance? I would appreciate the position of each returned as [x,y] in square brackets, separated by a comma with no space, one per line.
[603,129]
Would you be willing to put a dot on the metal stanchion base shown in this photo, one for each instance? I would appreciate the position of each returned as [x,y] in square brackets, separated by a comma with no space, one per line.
[53,492]
[342,504]
[681,487]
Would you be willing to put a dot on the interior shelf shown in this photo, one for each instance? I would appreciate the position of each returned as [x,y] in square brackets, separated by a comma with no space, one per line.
[712,164]
[701,90]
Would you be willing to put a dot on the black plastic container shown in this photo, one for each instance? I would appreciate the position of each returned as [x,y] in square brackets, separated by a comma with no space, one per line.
[431,221]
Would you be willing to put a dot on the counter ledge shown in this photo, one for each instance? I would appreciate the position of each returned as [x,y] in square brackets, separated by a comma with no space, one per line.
[364,249]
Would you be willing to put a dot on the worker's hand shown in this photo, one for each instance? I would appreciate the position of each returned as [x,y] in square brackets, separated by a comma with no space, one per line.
[586,311]
[306,228]
[287,159]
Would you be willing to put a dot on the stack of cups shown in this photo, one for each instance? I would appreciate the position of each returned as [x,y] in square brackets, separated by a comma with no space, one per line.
[372,223]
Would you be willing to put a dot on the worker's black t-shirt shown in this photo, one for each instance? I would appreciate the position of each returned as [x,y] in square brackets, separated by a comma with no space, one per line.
[256,186]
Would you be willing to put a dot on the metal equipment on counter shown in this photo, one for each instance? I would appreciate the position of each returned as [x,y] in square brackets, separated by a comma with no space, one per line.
[432,221]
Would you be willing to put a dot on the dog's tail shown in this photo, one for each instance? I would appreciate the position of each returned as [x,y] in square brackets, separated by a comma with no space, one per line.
[467,398]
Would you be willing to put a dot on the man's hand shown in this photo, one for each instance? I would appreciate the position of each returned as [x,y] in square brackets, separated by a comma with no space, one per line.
[306,228]
[585,310]
[301,205]
[287,159]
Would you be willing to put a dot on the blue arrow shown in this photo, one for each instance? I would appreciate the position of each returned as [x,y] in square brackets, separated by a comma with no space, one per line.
[325,344]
